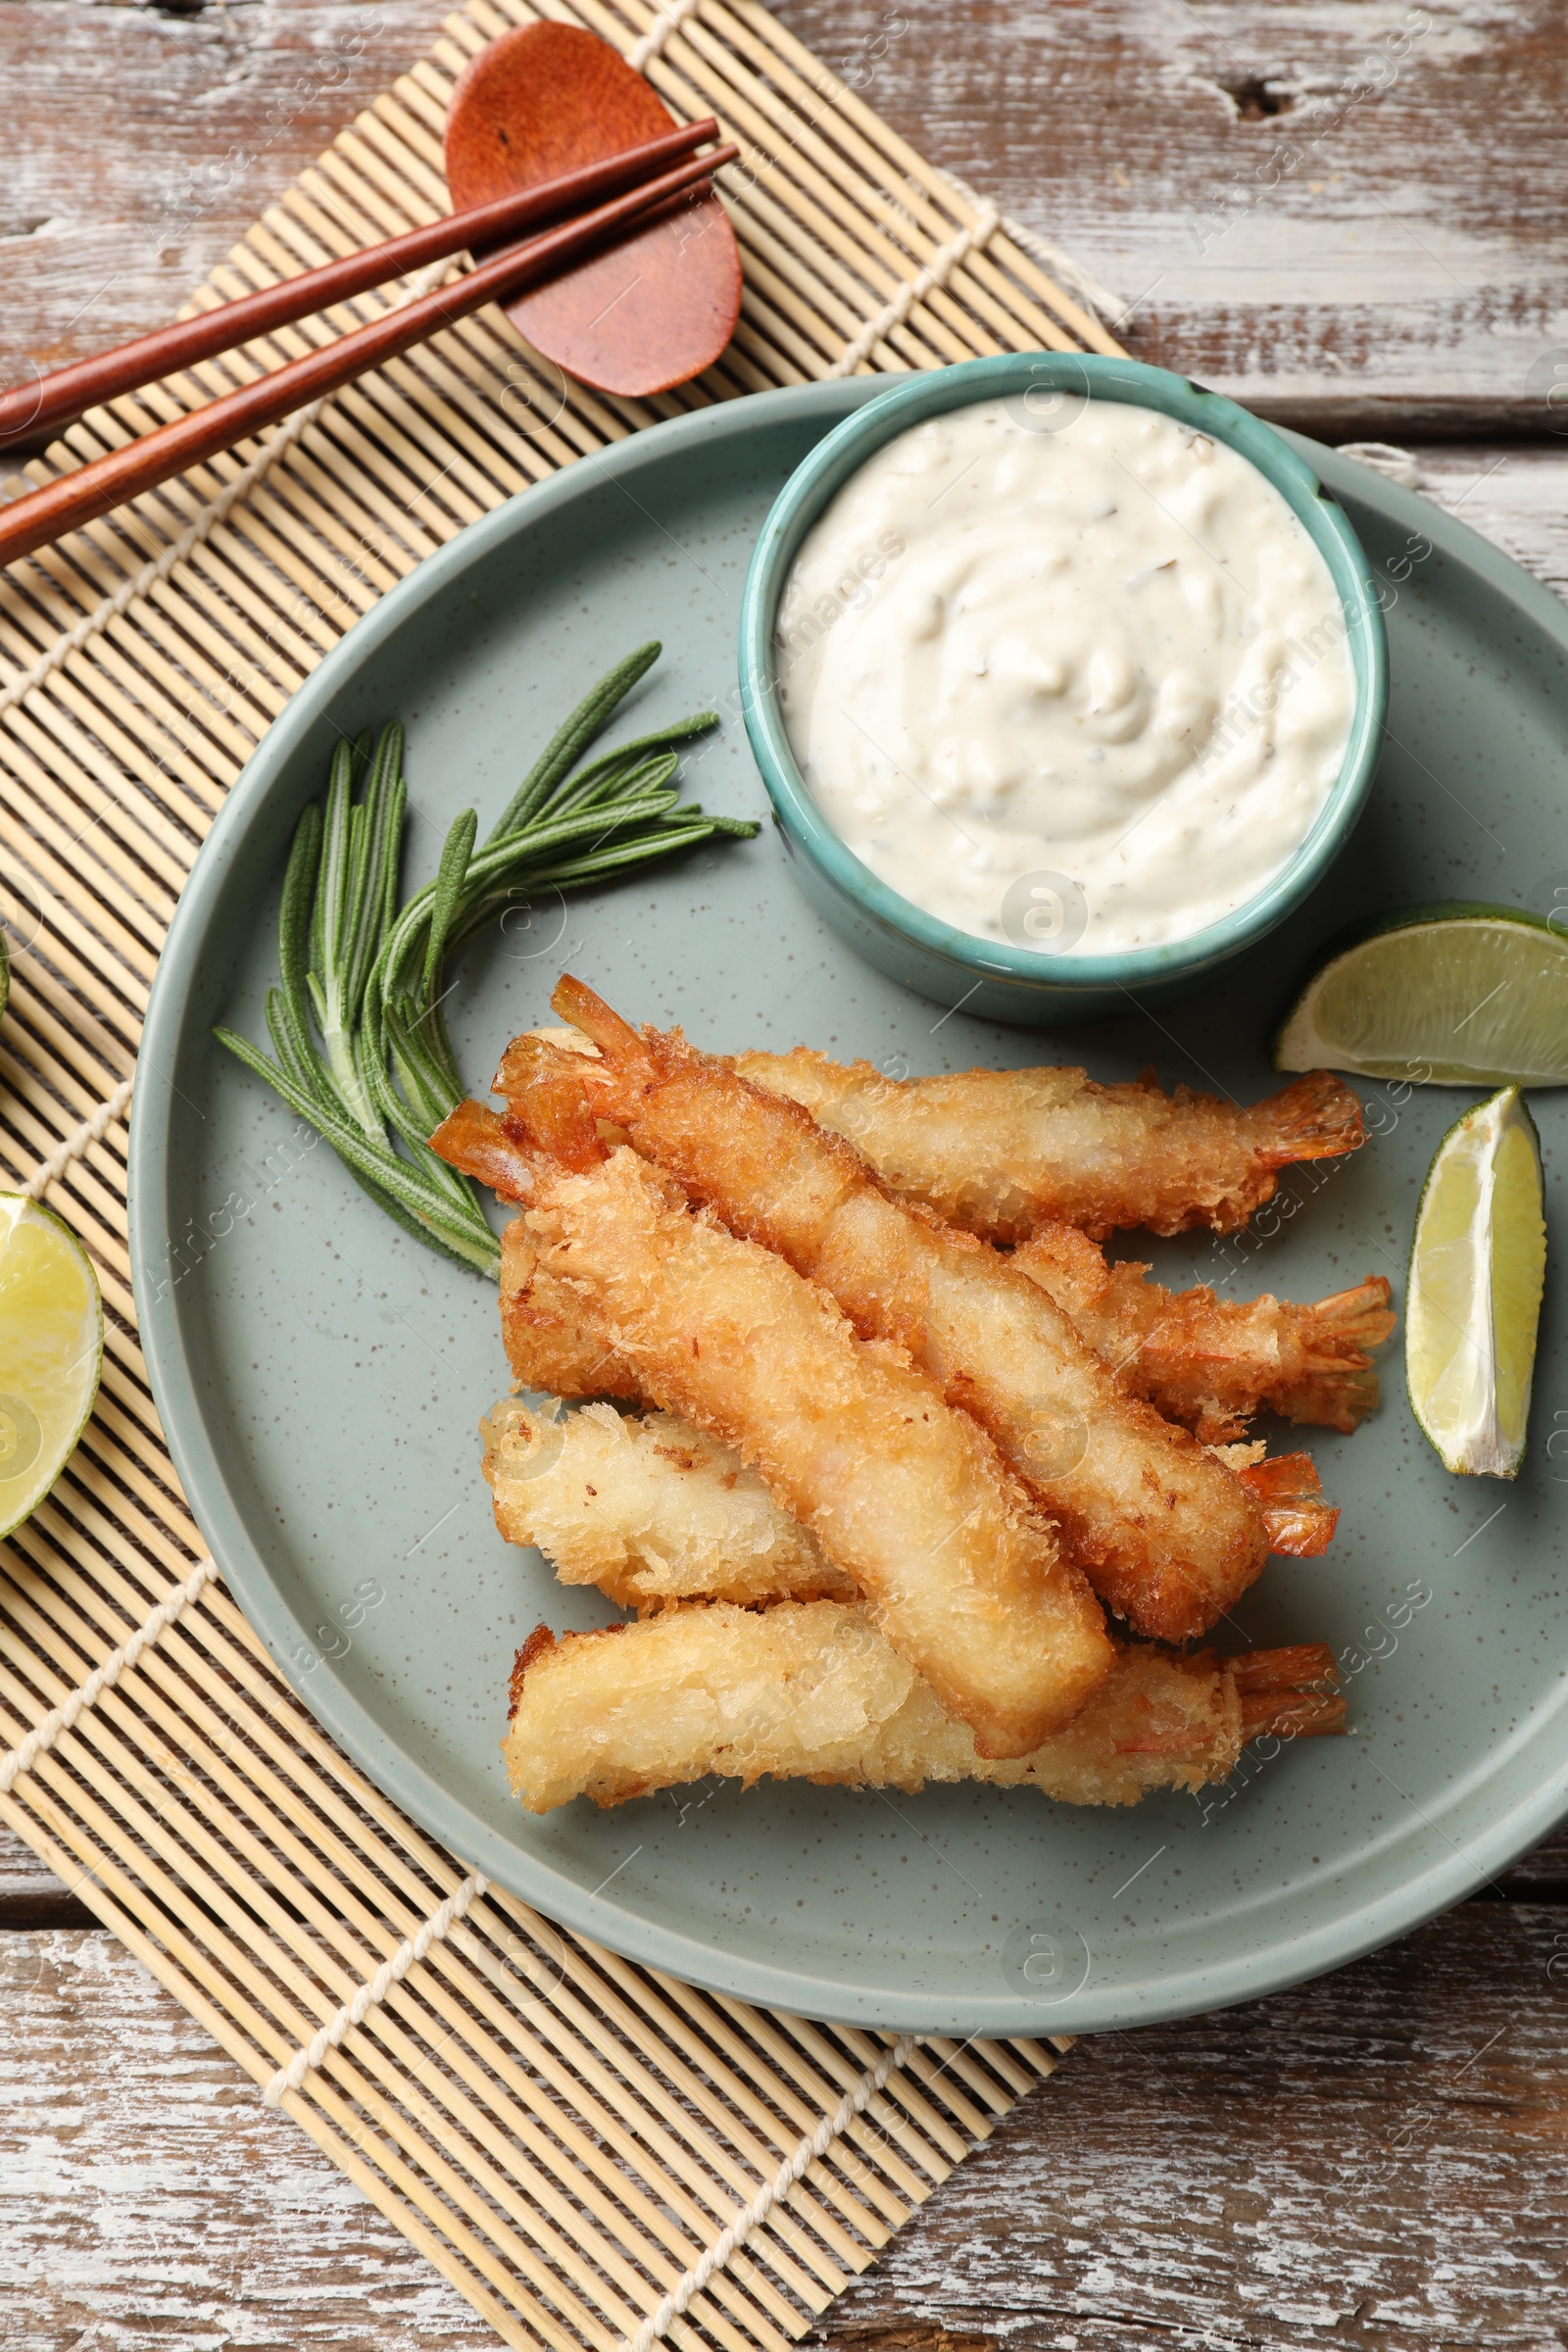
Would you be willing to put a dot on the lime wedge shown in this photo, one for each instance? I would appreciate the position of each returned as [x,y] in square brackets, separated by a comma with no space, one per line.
[1457,995]
[51,1352]
[1478,1265]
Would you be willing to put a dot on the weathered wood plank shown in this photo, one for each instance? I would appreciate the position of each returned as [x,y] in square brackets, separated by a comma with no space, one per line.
[31,1896]
[1405,271]
[1516,495]
[148,2194]
[142,141]
[1541,1876]
[1373,2158]
[1339,211]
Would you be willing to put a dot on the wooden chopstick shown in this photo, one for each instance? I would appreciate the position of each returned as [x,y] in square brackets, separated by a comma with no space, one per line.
[58,399]
[108,481]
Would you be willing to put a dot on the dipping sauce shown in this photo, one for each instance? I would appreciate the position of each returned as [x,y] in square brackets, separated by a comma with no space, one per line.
[1080,686]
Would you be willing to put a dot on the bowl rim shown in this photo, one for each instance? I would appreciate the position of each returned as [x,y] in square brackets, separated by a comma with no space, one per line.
[825,469]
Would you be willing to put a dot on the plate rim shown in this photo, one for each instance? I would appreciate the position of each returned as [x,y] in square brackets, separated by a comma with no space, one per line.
[438,1811]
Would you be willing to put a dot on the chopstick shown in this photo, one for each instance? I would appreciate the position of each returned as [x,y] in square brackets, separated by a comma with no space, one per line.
[108,481]
[59,399]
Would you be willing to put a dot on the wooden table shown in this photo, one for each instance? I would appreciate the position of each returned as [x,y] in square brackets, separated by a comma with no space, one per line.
[1350,215]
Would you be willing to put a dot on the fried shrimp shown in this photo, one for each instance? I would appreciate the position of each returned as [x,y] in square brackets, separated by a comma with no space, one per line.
[1213,1362]
[651,1510]
[648,1509]
[549,1341]
[907,1496]
[812,1691]
[1207,1362]
[1000,1153]
[1168,1534]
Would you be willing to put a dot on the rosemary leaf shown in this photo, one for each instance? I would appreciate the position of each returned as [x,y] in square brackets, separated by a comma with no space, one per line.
[567,745]
[377,1165]
[383,835]
[296,1054]
[450,878]
[367,977]
[294,919]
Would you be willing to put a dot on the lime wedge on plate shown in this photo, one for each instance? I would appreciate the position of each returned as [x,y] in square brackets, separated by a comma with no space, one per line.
[51,1350]
[1478,1265]
[1454,996]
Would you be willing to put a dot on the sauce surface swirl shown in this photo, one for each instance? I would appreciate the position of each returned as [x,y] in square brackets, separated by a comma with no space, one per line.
[1080,686]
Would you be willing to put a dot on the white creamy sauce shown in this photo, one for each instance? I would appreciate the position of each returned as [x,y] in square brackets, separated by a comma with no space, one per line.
[1083,688]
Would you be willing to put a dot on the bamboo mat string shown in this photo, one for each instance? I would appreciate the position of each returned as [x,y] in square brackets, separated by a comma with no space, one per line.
[1097,300]
[811,2145]
[25,1756]
[92,1131]
[931,279]
[642,52]
[441,1920]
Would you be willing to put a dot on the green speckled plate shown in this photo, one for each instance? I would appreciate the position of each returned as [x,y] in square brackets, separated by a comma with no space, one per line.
[319,1376]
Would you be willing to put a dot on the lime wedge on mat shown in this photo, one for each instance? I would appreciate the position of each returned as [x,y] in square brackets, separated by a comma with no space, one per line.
[1477,1264]
[51,1350]
[1457,996]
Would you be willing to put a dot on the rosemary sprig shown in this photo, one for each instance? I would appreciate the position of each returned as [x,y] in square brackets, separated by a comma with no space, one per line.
[362,1048]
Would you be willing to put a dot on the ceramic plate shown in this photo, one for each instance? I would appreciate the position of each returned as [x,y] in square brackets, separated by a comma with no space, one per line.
[321,1376]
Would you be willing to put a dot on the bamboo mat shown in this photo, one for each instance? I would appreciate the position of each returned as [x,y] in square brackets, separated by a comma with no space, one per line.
[592,2153]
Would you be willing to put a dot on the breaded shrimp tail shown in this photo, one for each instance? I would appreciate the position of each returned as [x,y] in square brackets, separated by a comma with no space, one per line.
[1166,1535]
[1289,1693]
[812,1691]
[1210,1362]
[550,1344]
[495,1151]
[906,1495]
[1315,1117]
[1337,1388]
[1289,1493]
[1001,1153]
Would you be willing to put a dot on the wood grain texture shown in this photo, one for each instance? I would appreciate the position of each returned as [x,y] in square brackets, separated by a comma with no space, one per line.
[149,2197]
[1516,495]
[1407,264]
[1323,209]
[142,141]
[31,1896]
[1375,2159]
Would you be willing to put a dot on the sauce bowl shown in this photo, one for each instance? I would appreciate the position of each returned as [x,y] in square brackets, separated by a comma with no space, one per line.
[1032,983]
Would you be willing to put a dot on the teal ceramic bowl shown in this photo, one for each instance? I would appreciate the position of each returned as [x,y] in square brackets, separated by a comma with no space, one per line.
[995,981]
